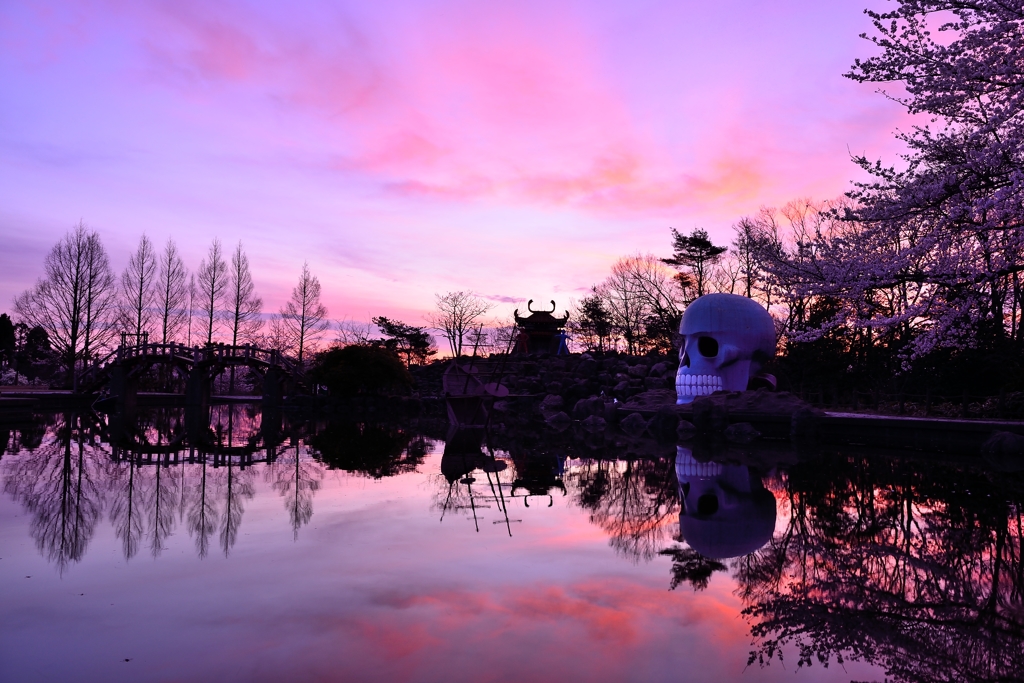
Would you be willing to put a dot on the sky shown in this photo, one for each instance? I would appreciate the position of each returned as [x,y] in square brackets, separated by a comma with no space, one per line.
[405,149]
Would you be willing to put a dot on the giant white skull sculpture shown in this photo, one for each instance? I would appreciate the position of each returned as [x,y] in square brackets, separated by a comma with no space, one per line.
[726,511]
[726,339]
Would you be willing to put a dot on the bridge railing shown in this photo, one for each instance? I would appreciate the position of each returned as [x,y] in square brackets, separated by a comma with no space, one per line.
[227,354]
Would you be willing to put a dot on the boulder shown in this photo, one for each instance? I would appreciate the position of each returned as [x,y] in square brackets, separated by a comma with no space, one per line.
[634,424]
[552,403]
[638,370]
[741,432]
[559,421]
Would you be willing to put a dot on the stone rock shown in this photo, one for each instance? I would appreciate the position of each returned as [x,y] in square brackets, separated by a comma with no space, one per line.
[633,424]
[622,387]
[587,367]
[654,399]
[659,369]
[741,432]
[594,424]
[551,402]
[685,430]
[586,407]
[638,370]
[559,421]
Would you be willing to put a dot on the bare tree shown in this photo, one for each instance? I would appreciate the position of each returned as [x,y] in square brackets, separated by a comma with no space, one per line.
[243,304]
[303,318]
[746,247]
[75,299]
[192,291]
[100,298]
[455,316]
[212,283]
[351,332]
[172,293]
[643,300]
[278,335]
[138,290]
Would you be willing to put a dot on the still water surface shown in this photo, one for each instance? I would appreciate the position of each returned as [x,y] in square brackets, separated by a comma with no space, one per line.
[342,551]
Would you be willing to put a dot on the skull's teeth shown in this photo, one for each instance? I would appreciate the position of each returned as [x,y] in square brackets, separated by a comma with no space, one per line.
[698,385]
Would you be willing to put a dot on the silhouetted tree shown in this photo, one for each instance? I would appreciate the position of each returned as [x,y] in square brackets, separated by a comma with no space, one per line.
[212,283]
[138,290]
[456,315]
[7,340]
[641,296]
[747,247]
[696,253]
[172,299]
[243,304]
[412,342]
[303,318]
[192,291]
[361,369]
[75,298]
[592,322]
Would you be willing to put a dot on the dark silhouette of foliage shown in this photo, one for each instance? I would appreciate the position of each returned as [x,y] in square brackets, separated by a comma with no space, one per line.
[373,450]
[697,253]
[361,369]
[910,565]
[690,566]
[406,340]
[7,339]
[593,323]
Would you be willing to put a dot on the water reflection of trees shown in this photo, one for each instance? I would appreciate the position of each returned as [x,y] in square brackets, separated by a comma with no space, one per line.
[633,501]
[71,471]
[296,478]
[374,450]
[910,566]
[60,486]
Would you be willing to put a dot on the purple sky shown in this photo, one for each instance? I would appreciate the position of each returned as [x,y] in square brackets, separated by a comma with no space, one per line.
[410,148]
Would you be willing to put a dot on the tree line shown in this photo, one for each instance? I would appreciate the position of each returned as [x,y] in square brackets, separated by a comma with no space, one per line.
[80,309]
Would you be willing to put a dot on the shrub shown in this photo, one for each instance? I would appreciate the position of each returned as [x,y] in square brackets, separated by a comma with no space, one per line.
[361,369]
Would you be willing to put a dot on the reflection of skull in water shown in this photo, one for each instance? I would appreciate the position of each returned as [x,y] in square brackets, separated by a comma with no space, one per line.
[726,511]
[726,339]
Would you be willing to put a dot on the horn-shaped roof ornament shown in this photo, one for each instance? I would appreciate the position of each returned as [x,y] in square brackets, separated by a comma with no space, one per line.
[530,308]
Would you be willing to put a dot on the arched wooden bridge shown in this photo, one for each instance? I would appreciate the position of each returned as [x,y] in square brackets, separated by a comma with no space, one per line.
[116,376]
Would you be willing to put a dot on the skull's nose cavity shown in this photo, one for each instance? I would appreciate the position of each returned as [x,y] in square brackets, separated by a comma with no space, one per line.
[707,504]
[685,362]
[708,347]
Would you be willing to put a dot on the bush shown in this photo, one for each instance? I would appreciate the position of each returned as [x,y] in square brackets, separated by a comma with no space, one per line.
[361,369]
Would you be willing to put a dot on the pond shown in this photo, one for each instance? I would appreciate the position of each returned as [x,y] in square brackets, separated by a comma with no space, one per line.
[268,548]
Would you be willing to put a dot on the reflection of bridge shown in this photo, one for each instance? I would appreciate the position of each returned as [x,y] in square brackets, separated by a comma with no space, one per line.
[118,374]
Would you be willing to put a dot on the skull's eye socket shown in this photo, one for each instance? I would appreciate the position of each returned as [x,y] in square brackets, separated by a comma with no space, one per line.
[707,504]
[708,347]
